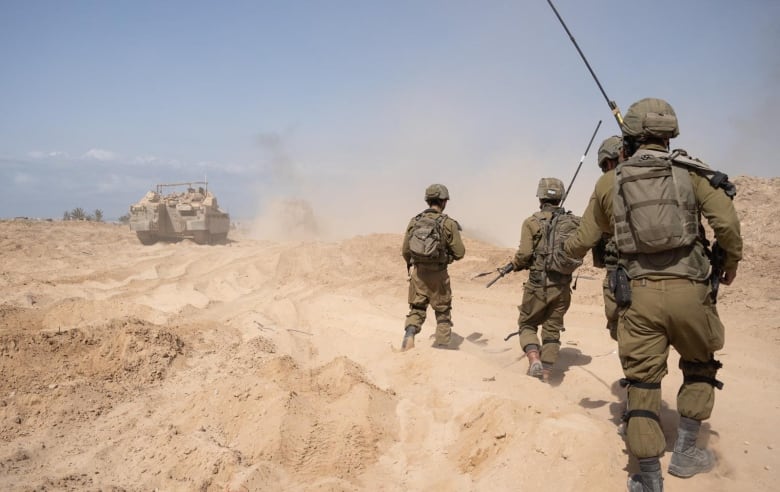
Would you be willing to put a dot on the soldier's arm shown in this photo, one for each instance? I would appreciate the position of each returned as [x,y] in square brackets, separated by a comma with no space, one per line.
[595,221]
[455,243]
[721,215]
[528,238]
[405,251]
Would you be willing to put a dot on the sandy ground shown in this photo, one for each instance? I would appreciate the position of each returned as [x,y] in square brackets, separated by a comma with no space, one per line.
[270,365]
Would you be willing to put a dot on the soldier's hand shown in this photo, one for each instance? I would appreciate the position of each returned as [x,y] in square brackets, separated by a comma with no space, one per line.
[506,268]
[728,276]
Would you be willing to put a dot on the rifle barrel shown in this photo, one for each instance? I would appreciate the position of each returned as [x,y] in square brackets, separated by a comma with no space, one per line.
[493,281]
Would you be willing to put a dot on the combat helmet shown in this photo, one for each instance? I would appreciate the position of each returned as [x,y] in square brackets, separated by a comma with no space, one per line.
[650,118]
[550,189]
[437,191]
[610,149]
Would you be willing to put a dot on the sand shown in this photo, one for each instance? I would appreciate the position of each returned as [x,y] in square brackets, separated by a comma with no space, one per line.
[274,365]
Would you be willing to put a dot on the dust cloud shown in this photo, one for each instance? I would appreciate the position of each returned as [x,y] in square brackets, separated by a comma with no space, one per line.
[489,201]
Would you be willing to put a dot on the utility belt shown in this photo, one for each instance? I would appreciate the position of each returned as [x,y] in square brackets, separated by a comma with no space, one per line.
[620,284]
[662,282]
[431,267]
[537,277]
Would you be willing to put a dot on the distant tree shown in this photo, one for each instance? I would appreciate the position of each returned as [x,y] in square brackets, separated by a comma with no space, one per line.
[125,219]
[78,214]
[98,214]
[66,215]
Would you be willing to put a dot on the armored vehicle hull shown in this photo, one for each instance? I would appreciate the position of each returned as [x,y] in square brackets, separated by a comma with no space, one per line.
[167,214]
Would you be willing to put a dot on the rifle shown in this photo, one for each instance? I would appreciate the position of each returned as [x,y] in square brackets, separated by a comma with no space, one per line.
[501,272]
[612,105]
[481,274]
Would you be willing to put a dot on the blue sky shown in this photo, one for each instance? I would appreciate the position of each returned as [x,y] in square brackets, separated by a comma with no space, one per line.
[356,106]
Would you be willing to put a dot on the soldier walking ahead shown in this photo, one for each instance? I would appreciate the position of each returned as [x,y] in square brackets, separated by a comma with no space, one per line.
[653,202]
[547,293]
[432,241]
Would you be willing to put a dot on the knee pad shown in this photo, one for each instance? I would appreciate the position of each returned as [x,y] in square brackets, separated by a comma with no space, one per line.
[701,372]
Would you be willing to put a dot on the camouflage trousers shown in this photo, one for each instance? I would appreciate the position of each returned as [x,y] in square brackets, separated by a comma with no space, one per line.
[430,286]
[663,313]
[544,306]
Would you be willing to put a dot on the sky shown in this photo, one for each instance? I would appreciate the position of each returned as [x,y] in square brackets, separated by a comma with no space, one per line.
[355,107]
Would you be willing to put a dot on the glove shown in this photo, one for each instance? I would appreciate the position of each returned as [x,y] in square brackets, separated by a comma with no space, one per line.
[509,267]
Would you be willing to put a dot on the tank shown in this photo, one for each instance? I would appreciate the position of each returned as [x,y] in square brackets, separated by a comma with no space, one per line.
[177,211]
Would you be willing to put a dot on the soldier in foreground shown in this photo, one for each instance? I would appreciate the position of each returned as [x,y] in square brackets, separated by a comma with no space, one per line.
[547,293]
[432,241]
[662,282]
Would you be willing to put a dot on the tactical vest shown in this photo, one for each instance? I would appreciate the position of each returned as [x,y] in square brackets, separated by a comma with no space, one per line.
[654,205]
[657,218]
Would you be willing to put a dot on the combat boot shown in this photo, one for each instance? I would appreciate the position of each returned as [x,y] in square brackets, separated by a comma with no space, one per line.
[534,363]
[649,478]
[688,460]
[408,341]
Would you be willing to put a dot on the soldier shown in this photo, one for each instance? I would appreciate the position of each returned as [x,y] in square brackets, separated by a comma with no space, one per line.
[547,293]
[662,280]
[605,253]
[432,241]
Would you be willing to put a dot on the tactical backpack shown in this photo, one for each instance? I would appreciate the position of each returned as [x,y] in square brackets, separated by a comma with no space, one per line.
[654,204]
[555,231]
[427,242]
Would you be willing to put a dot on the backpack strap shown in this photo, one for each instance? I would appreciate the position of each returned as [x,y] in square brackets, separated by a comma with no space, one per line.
[717,179]
[440,220]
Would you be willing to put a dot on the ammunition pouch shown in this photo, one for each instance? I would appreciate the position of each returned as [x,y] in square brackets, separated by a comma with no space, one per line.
[620,285]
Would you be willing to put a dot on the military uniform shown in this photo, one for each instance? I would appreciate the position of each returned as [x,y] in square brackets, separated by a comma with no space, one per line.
[429,283]
[546,295]
[670,306]
[605,254]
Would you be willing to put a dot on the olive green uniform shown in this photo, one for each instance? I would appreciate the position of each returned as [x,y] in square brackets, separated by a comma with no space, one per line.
[605,255]
[546,295]
[430,283]
[671,305]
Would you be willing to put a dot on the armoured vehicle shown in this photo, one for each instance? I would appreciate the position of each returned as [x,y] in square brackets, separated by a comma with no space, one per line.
[179,210]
